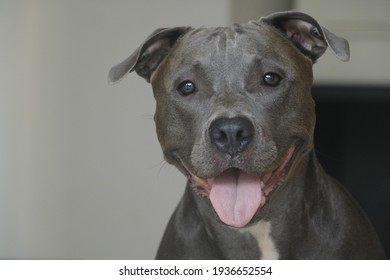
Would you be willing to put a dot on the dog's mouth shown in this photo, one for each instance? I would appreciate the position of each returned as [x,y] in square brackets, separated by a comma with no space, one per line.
[237,196]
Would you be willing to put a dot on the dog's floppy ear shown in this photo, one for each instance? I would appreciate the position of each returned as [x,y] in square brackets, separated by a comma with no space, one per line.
[305,32]
[149,55]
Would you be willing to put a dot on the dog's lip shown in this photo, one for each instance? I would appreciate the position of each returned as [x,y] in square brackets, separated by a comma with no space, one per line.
[269,181]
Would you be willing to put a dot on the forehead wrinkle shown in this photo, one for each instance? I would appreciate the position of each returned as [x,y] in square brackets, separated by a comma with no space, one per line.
[231,36]
[222,41]
[221,57]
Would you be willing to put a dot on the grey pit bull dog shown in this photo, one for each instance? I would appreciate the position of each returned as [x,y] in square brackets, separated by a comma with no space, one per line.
[235,115]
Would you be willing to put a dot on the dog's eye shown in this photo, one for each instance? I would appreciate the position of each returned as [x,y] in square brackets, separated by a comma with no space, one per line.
[271,79]
[186,88]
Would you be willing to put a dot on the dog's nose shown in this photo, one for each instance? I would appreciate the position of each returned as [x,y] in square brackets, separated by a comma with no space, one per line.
[231,135]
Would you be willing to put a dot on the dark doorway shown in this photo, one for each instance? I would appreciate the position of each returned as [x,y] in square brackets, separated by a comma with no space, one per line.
[352,142]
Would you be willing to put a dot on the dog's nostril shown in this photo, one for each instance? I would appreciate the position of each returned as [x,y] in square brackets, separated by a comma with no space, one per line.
[231,135]
[243,134]
[219,135]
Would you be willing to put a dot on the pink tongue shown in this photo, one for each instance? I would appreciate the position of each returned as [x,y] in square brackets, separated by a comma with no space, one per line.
[236,196]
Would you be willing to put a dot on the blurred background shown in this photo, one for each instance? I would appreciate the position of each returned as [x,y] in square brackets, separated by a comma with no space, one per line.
[81,172]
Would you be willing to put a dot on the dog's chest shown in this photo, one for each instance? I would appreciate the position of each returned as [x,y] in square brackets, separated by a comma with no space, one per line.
[261,232]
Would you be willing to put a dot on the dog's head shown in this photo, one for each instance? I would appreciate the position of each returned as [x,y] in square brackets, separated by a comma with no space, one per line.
[234,108]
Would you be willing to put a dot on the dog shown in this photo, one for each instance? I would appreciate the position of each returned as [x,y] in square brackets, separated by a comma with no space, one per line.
[235,115]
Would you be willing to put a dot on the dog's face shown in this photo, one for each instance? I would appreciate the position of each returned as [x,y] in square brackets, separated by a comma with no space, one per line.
[247,76]
[234,110]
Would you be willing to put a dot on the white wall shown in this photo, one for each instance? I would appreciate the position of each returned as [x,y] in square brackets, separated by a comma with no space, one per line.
[81,171]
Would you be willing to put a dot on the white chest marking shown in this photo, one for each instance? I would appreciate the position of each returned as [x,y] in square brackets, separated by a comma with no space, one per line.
[262,233]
